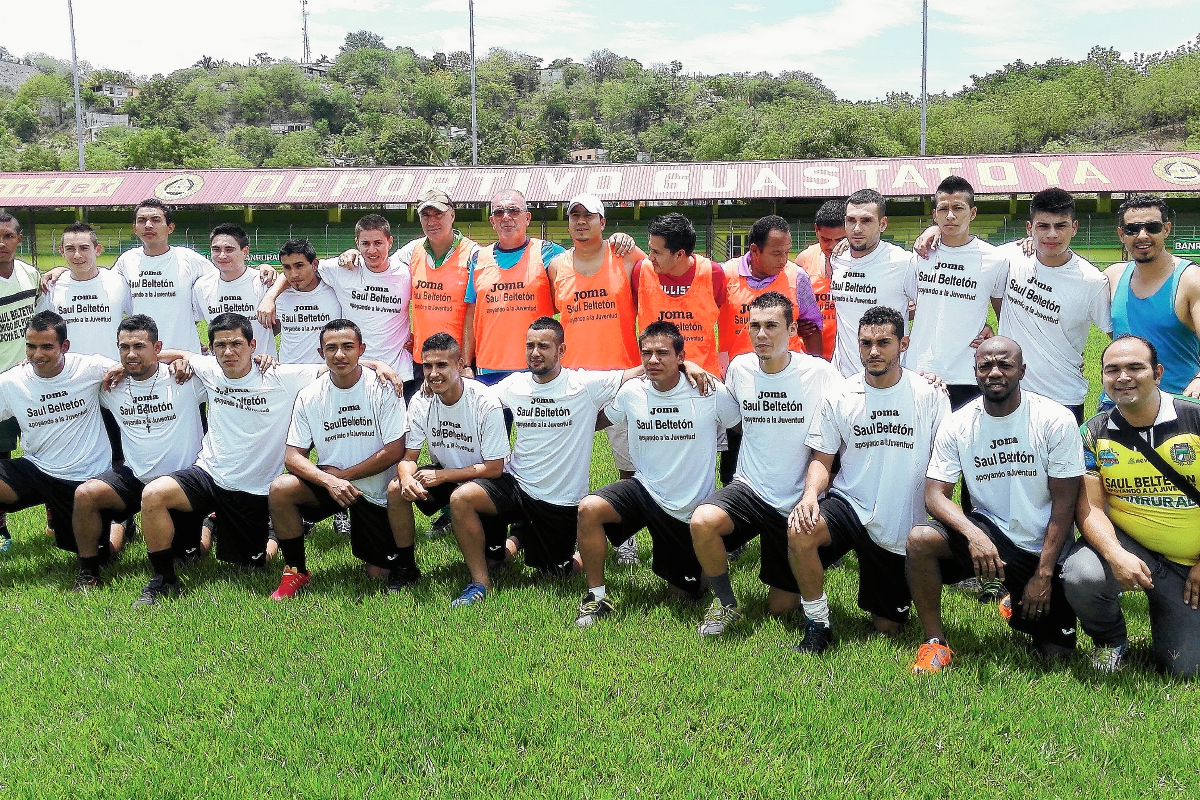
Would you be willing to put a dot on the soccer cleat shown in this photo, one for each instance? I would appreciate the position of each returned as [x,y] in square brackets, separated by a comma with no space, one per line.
[291,582]
[157,590]
[932,656]
[341,523]
[737,552]
[5,538]
[718,618]
[818,637]
[1005,607]
[474,593]
[1110,659]
[627,553]
[592,610]
[441,526]
[85,581]
[400,579]
[991,590]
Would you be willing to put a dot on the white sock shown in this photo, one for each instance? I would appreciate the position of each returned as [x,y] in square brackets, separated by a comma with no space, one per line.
[817,610]
[597,591]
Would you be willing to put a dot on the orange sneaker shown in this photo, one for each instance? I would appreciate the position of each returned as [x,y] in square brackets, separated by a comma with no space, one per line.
[932,656]
[1005,606]
[290,582]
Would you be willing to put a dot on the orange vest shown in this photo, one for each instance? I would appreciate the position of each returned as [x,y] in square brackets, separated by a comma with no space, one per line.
[597,314]
[735,316]
[812,261]
[507,301]
[438,301]
[695,312]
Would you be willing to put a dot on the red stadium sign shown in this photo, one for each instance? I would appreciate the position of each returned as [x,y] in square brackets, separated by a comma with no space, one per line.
[711,181]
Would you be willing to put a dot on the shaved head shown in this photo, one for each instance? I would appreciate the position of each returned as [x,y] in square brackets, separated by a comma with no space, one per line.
[998,345]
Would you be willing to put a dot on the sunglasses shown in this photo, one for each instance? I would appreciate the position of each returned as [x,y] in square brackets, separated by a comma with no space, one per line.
[510,212]
[1134,228]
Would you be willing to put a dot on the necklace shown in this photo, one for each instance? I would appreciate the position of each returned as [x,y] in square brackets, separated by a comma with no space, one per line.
[133,401]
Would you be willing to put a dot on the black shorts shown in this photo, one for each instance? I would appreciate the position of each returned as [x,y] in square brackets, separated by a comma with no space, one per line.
[128,487]
[371,537]
[439,496]
[113,429]
[961,394]
[752,516]
[549,533]
[35,488]
[414,383]
[1057,627]
[674,558]
[10,433]
[242,532]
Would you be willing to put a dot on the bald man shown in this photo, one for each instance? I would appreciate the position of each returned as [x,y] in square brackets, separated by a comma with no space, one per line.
[1022,456]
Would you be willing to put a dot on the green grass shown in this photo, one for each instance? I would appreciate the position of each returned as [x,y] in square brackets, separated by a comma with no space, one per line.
[347,692]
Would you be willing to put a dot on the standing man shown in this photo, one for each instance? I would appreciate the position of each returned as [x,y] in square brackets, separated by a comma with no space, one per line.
[1139,514]
[873,273]
[830,225]
[882,426]
[673,442]
[18,296]
[1022,457]
[1053,299]
[305,306]
[1157,295]
[233,289]
[92,301]
[779,393]
[357,426]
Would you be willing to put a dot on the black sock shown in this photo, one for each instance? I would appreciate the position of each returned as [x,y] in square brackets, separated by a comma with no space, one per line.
[163,563]
[406,559]
[722,589]
[90,565]
[293,553]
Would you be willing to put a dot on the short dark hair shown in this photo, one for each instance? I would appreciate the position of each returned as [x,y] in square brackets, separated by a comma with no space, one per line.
[340,325]
[48,321]
[955,184]
[760,231]
[665,328]
[831,214]
[882,315]
[1052,201]
[301,247]
[83,227]
[676,230]
[231,229]
[1143,201]
[153,202]
[230,321]
[769,300]
[6,217]
[373,222]
[441,341]
[864,196]
[549,324]
[139,322]
[1126,336]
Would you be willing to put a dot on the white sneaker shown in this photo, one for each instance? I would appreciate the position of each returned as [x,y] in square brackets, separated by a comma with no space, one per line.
[627,553]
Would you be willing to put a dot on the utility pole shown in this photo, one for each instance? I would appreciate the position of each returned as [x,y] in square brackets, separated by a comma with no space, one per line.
[474,112]
[75,72]
[924,66]
[304,19]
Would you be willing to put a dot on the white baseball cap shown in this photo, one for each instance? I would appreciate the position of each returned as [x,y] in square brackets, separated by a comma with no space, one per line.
[590,203]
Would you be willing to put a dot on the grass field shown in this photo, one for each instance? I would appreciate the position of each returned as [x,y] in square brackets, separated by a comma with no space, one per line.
[347,692]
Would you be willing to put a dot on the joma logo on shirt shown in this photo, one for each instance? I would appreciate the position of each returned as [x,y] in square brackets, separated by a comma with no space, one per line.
[761,395]
[675,315]
[664,410]
[884,412]
[51,396]
[1034,281]
[586,293]
[1001,442]
[344,409]
[427,285]
[504,287]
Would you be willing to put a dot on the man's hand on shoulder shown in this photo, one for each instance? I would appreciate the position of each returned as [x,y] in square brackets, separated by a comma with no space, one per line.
[621,243]
[348,259]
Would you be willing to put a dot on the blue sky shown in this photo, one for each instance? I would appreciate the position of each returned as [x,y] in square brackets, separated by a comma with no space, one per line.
[861,49]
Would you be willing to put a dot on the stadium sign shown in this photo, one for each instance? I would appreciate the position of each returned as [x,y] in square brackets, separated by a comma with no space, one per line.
[1186,247]
[711,181]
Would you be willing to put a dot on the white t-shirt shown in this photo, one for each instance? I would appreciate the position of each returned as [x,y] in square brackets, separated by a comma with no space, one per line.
[777,411]
[18,297]
[301,316]
[348,426]
[673,439]
[61,429]
[92,309]
[555,424]
[162,290]
[879,278]
[378,303]
[469,432]
[160,422]
[212,297]
[1007,461]
[248,420]
[953,288]
[1050,311]
[884,437]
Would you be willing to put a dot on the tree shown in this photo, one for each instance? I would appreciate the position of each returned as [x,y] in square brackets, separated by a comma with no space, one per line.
[164,148]
[411,142]
[602,64]
[362,40]
[298,149]
[207,63]
[256,145]
[22,121]
[37,158]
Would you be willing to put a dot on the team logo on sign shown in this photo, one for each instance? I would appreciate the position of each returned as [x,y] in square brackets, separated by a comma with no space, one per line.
[1180,170]
[1183,453]
[1108,458]
[179,187]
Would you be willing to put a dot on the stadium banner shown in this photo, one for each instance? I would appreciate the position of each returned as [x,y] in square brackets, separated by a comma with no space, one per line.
[701,181]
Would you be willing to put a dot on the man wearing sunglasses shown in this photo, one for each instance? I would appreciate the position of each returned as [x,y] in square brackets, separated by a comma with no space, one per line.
[1156,295]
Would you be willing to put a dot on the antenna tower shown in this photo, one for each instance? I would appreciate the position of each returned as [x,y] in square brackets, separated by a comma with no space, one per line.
[304,16]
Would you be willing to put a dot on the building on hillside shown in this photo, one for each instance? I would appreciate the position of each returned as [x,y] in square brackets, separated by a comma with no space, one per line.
[117,93]
[315,70]
[281,128]
[550,76]
[94,122]
[591,155]
[13,75]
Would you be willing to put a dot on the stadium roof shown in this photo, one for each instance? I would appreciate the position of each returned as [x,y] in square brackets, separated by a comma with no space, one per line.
[711,181]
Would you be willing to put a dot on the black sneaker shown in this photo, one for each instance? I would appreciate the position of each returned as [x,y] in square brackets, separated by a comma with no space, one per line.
[441,526]
[86,581]
[592,610]
[158,590]
[818,638]
[5,538]
[400,579]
